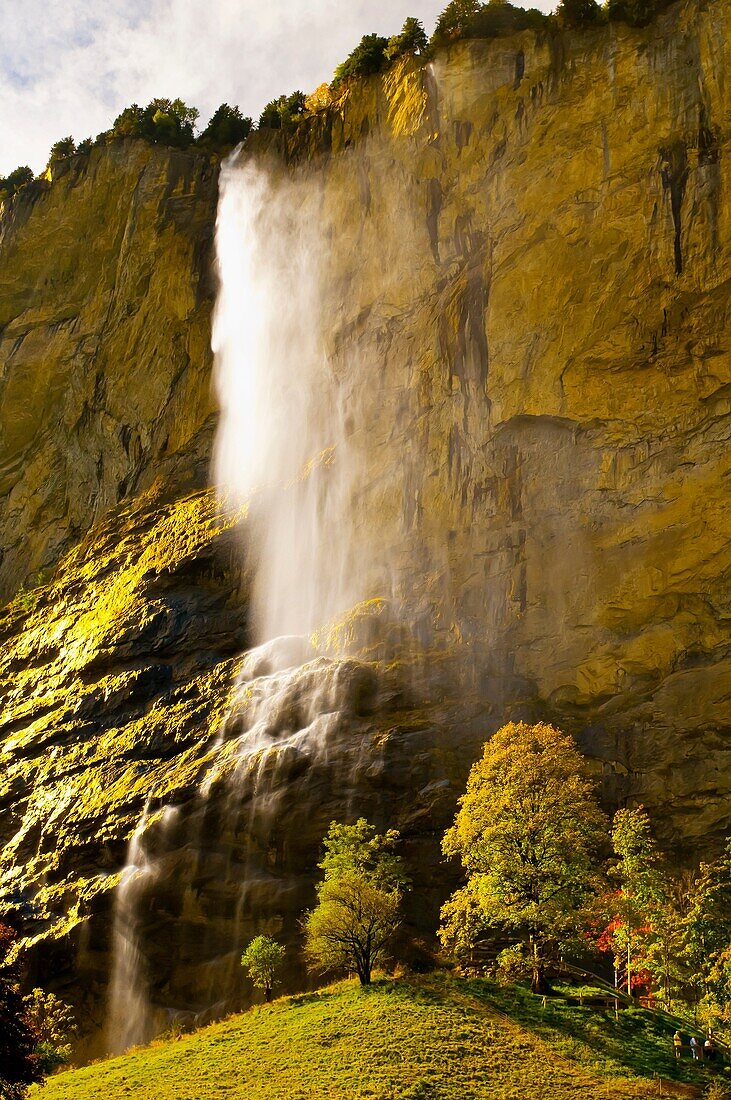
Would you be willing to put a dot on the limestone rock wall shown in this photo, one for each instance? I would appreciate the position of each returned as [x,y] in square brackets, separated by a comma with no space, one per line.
[530,256]
[105,294]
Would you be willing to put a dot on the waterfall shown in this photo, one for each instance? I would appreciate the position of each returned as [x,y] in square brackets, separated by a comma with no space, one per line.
[128,1015]
[284,444]
[287,452]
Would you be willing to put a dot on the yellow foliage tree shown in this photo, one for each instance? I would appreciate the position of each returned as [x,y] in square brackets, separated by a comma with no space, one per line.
[528,833]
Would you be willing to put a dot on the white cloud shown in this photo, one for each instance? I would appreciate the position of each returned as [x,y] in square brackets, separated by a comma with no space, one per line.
[70,66]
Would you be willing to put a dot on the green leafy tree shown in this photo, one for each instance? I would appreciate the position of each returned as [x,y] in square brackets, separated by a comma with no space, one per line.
[471,19]
[664,948]
[412,39]
[66,147]
[263,960]
[358,901]
[528,833]
[455,21]
[367,58]
[281,112]
[13,183]
[85,146]
[53,1023]
[163,121]
[578,13]
[708,938]
[129,122]
[498,17]
[637,13]
[173,122]
[20,1065]
[226,127]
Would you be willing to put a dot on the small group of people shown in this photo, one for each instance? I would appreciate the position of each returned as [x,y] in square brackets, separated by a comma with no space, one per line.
[701,1051]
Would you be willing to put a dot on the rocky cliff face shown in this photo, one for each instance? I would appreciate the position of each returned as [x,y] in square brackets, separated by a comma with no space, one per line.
[528,256]
[105,298]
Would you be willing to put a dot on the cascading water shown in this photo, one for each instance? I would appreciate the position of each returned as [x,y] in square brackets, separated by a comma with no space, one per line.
[128,1020]
[284,444]
[287,451]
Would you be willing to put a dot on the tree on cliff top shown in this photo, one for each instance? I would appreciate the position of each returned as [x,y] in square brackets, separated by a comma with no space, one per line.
[226,127]
[528,833]
[20,1065]
[263,960]
[279,113]
[578,13]
[13,182]
[163,121]
[66,147]
[367,58]
[358,901]
[471,19]
[412,39]
[638,13]
[455,21]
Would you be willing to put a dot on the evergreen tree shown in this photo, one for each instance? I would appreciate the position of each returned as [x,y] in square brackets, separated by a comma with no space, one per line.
[66,147]
[638,13]
[412,39]
[163,121]
[455,21]
[280,112]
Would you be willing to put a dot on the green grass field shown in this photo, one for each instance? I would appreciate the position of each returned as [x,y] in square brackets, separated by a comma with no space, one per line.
[425,1038]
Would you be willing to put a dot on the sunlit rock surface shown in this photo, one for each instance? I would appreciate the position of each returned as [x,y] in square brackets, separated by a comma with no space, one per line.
[105,296]
[529,276]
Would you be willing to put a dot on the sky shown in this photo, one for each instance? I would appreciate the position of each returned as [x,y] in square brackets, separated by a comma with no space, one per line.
[70,66]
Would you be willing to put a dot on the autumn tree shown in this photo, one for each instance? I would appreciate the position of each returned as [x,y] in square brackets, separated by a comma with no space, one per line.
[20,1065]
[528,832]
[358,900]
[53,1024]
[263,960]
[641,905]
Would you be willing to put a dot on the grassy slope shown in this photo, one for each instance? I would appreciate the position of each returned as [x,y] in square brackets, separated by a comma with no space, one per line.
[436,1038]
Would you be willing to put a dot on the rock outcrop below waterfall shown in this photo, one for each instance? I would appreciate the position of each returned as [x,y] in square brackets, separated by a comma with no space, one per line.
[529,271]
